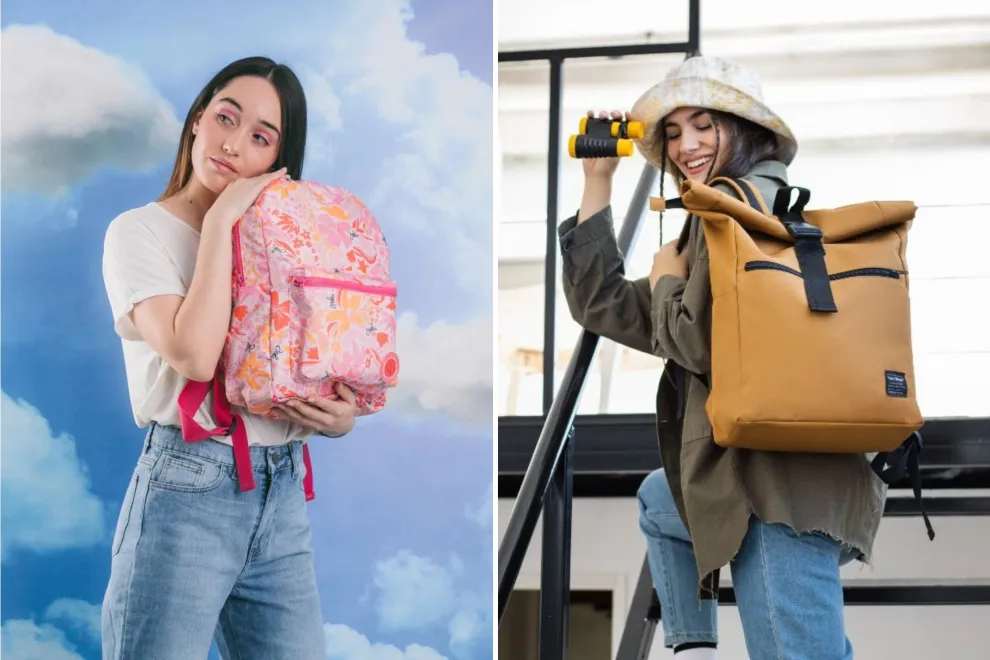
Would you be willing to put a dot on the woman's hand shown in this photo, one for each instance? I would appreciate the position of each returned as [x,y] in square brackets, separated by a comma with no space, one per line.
[601,169]
[668,262]
[598,174]
[324,416]
[238,197]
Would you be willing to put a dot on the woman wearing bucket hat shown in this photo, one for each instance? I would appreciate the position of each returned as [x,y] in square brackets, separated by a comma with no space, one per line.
[786,522]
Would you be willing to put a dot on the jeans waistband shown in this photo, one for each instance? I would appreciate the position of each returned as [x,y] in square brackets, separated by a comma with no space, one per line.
[263,459]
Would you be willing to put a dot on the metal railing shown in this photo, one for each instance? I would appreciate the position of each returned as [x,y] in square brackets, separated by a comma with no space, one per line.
[547,486]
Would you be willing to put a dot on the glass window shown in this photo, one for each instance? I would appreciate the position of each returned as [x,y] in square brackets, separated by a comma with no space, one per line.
[521,227]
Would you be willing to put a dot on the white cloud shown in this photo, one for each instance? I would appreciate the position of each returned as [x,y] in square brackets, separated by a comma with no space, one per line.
[417,593]
[79,615]
[414,592]
[40,472]
[322,102]
[344,643]
[26,640]
[69,110]
[439,178]
[469,628]
[483,513]
[445,368]
[323,107]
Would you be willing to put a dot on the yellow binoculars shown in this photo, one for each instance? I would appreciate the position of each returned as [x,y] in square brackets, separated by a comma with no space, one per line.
[604,138]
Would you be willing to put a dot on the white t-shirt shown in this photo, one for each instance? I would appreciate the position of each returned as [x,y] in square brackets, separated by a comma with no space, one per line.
[149,252]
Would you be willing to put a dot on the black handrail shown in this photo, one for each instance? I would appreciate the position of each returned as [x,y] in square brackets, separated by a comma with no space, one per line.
[547,456]
[548,482]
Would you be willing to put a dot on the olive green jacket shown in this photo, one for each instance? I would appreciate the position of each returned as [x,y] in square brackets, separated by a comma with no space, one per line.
[716,489]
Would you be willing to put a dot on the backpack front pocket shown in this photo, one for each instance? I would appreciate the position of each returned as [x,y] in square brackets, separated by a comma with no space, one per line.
[344,330]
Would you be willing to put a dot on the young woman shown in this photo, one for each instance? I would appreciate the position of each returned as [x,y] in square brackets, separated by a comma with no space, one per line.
[194,557]
[766,513]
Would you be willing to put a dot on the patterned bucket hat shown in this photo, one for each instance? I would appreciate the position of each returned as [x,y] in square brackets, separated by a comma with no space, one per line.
[714,84]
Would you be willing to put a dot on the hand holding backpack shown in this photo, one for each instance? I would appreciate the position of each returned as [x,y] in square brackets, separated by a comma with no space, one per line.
[313,304]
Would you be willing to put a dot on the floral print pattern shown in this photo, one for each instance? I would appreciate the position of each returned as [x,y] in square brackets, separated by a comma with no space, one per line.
[313,300]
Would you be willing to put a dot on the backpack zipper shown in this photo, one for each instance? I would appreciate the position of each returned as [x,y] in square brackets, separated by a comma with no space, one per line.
[330,282]
[856,272]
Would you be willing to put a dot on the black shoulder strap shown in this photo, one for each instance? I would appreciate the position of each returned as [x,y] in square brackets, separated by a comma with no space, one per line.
[744,191]
[685,236]
[755,198]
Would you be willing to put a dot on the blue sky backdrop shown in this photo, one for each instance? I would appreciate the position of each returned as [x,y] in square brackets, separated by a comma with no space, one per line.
[400,99]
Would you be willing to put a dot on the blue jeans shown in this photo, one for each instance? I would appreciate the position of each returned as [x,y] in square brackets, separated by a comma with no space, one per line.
[195,559]
[787,585]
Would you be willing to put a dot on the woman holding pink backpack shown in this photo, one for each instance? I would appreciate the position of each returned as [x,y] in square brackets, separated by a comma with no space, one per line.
[195,557]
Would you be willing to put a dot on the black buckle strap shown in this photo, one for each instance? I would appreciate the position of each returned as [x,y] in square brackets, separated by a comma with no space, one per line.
[892,466]
[809,248]
[782,202]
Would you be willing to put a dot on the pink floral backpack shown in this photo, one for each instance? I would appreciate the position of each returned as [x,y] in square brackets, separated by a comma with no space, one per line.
[313,304]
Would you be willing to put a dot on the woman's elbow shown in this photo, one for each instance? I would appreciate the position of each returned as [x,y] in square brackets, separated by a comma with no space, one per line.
[197,369]
[195,363]
[201,372]
[686,355]
[589,316]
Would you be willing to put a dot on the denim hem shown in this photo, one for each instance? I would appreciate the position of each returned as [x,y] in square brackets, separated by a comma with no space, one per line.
[673,639]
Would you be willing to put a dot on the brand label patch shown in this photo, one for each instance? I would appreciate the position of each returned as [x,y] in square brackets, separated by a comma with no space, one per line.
[896,384]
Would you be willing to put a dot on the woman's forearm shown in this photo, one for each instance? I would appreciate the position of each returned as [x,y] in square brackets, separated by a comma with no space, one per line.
[597,195]
[203,319]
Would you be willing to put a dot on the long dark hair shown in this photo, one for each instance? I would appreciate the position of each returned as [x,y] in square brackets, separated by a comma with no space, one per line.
[292,145]
[749,144]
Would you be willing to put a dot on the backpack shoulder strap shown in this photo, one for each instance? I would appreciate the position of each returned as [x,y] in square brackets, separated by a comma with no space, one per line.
[745,191]
[761,204]
[685,235]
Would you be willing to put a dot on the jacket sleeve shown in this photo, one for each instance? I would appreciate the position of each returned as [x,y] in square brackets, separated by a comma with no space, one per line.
[599,296]
[682,308]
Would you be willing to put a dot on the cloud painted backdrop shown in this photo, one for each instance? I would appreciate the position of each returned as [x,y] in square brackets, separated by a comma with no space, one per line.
[400,99]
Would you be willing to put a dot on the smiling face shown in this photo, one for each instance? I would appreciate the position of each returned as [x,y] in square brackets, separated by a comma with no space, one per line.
[238,133]
[694,141]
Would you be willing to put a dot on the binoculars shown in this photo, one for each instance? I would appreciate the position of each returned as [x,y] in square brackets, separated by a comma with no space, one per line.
[604,138]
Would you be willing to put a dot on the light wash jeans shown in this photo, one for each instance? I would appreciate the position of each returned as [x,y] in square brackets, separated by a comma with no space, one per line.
[787,585]
[195,559]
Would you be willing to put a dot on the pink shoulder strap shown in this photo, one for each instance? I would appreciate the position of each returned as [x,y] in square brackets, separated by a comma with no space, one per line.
[191,398]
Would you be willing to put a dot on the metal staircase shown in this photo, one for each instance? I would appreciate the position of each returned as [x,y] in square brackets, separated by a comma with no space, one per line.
[544,462]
